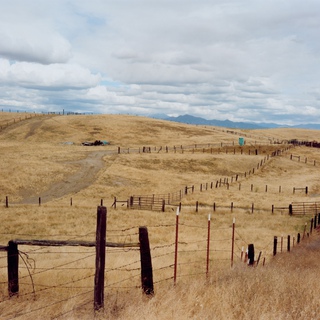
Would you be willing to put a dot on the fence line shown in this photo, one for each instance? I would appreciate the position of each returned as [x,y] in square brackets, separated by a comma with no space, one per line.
[226,244]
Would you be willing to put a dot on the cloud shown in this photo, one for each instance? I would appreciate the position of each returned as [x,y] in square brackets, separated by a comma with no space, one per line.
[48,77]
[235,59]
[39,48]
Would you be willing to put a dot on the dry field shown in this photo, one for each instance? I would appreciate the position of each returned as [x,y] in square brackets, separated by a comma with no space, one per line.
[42,156]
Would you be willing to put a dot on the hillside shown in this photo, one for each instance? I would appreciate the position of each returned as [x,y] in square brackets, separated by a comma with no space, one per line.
[43,157]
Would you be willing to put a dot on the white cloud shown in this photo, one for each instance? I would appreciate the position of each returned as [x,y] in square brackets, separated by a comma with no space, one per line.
[238,60]
[49,77]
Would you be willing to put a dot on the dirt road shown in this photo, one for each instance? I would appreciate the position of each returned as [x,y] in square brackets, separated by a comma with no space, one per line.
[82,178]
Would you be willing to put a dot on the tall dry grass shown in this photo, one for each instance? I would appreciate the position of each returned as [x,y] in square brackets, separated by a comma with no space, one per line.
[34,157]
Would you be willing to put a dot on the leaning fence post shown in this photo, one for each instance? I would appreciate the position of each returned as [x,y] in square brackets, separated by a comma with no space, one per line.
[100,257]
[146,263]
[163,207]
[13,268]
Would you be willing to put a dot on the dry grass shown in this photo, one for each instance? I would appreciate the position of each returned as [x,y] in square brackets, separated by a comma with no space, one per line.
[35,158]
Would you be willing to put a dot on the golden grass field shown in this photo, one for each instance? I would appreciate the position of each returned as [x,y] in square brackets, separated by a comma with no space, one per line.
[38,160]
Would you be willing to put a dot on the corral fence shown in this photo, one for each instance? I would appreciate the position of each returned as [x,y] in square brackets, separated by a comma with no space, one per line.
[298,208]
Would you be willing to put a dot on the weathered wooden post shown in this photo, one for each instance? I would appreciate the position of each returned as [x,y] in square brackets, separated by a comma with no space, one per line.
[100,257]
[275,243]
[7,202]
[288,244]
[290,209]
[146,263]
[298,238]
[114,202]
[251,254]
[197,206]
[13,268]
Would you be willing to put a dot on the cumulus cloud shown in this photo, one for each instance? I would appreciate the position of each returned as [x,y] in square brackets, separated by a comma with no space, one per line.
[40,48]
[48,77]
[235,59]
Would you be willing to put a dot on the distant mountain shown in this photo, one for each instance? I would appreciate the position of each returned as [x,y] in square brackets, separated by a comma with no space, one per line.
[230,124]
[313,126]
[219,123]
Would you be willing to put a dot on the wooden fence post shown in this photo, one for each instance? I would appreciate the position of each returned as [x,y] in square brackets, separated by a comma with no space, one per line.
[7,202]
[100,257]
[250,254]
[288,244]
[146,263]
[275,243]
[13,268]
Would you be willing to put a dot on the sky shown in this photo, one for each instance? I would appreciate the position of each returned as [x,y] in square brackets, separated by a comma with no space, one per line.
[242,60]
